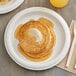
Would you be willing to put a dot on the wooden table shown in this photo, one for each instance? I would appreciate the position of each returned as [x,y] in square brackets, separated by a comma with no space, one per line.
[7,66]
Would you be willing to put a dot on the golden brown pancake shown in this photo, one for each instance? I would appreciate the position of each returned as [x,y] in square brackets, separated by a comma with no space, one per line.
[36,39]
[26,39]
[46,22]
[32,58]
[3,2]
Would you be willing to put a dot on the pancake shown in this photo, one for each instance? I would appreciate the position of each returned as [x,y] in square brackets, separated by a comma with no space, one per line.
[36,39]
[26,39]
[3,2]
[46,22]
[32,58]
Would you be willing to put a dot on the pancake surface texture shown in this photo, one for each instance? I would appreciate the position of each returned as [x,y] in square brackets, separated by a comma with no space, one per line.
[36,39]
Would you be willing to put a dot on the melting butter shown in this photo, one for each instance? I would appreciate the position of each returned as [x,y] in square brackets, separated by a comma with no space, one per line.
[36,33]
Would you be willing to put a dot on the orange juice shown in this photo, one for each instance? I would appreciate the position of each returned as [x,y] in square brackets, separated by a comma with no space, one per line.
[59,3]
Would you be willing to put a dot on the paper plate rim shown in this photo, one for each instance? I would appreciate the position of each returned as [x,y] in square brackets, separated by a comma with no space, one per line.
[66,46]
[10,8]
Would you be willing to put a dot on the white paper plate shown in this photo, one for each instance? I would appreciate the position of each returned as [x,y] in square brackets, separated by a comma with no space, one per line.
[13,4]
[62,38]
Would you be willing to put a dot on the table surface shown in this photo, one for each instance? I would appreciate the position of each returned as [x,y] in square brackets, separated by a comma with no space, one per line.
[7,66]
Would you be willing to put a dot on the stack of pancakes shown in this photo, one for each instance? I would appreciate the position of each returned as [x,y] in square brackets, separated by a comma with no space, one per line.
[36,39]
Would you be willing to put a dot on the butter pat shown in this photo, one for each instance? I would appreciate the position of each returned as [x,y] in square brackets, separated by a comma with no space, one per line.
[36,33]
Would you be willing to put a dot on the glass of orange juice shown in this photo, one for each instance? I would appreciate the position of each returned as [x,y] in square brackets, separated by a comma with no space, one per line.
[59,3]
